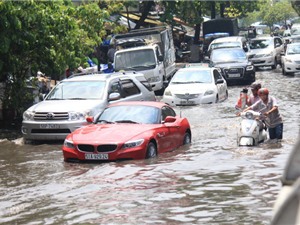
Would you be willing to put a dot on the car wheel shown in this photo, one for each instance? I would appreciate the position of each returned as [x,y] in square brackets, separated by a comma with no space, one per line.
[187,138]
[217,99]
[283,70]
[151,150]
[275,64]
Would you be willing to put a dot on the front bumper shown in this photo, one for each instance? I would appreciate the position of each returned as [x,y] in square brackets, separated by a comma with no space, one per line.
[263,61]
[292,67]
[73,154]
[177,101]
[37,130]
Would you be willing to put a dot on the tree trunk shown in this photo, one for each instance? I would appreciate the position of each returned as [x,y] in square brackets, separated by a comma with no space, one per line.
[213,10]
[146,9]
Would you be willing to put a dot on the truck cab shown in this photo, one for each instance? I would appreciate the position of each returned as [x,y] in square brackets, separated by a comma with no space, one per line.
[155,58]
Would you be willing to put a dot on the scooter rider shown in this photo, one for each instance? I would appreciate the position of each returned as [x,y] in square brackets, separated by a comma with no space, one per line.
[253,98]
[268,106]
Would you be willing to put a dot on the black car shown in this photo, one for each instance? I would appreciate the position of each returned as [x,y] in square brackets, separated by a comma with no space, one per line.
[234,64]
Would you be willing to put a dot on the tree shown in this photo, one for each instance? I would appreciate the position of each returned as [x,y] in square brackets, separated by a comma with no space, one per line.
[43,35]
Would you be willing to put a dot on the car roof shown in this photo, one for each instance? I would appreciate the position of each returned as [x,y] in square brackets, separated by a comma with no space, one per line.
[101,76]
[228,39]
[139,103]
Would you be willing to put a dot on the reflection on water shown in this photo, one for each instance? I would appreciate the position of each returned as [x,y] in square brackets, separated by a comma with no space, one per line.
[211,181]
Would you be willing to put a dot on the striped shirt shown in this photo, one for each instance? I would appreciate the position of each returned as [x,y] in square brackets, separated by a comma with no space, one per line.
[274,118]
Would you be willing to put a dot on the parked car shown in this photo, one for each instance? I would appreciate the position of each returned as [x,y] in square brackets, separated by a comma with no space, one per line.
[234,64]
[261,26]
[196,84]
[229,42]
[65,108]
[128,130]
[265,51]
[290,59]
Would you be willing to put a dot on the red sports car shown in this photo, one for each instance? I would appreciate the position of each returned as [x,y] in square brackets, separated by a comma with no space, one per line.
[128,130]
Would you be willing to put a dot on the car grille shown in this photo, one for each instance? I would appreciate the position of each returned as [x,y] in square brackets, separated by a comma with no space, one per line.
[50,131]
[51,116]
[228,71]
[298,62]
[186,96]
[99,148]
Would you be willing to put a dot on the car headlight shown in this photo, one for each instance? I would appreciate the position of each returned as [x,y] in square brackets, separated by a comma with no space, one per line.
[68,143]
[168,92]
[268,55]
[209,92]
[288,60]
[248,68]
[28,115]
[132,144]
[77,115]
[153,79]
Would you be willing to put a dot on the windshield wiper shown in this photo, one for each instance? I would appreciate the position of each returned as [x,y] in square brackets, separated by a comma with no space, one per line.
[104,121]
[75,98]
[55,99]
[125,121]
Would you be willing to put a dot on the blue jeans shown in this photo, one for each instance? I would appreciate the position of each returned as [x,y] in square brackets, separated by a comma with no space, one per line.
[276,132]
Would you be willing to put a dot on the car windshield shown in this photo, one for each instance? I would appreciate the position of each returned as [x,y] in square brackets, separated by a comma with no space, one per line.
[192,76]
[259,44]
[130,114]
[135,60]
[226,55]
[225,45]
[77,90]
[293,49]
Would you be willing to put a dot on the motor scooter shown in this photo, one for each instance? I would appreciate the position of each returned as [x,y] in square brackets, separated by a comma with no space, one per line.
[252,131]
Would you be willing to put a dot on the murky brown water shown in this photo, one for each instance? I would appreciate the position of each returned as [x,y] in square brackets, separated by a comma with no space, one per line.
[211,181]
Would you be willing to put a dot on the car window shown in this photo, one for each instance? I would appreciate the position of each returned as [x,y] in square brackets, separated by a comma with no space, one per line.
[217,75]
[192,76]
[261,43]
[129,88]
[278,41]
[224,55]
[77,90]
[135,113]
[167,111]
[293,49]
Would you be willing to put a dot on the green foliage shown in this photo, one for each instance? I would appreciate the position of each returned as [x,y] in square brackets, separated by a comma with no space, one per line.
[49,36]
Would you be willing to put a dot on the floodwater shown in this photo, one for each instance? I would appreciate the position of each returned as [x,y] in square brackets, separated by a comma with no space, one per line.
[211,181]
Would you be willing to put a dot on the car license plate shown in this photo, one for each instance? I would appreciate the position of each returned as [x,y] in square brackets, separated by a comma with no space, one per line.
[187,102]
[96,156]
[234,75]
[49,126]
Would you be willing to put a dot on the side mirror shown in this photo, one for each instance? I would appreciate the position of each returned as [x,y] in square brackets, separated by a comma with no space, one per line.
[90,119]
[160,58]
[114,96]
[220,81]
[170,119]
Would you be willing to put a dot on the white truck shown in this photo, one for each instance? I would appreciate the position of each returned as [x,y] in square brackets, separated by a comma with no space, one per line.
[149,51]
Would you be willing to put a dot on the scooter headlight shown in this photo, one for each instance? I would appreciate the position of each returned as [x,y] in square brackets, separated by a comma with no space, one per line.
[249,115]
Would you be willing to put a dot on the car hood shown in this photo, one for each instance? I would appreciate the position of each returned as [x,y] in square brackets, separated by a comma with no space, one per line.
[259,51]
[110,133]
[293,57]
[189,88]
[66,105]
[231,64]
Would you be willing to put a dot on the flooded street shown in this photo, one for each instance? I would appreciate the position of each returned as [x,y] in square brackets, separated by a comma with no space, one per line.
[212,181]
